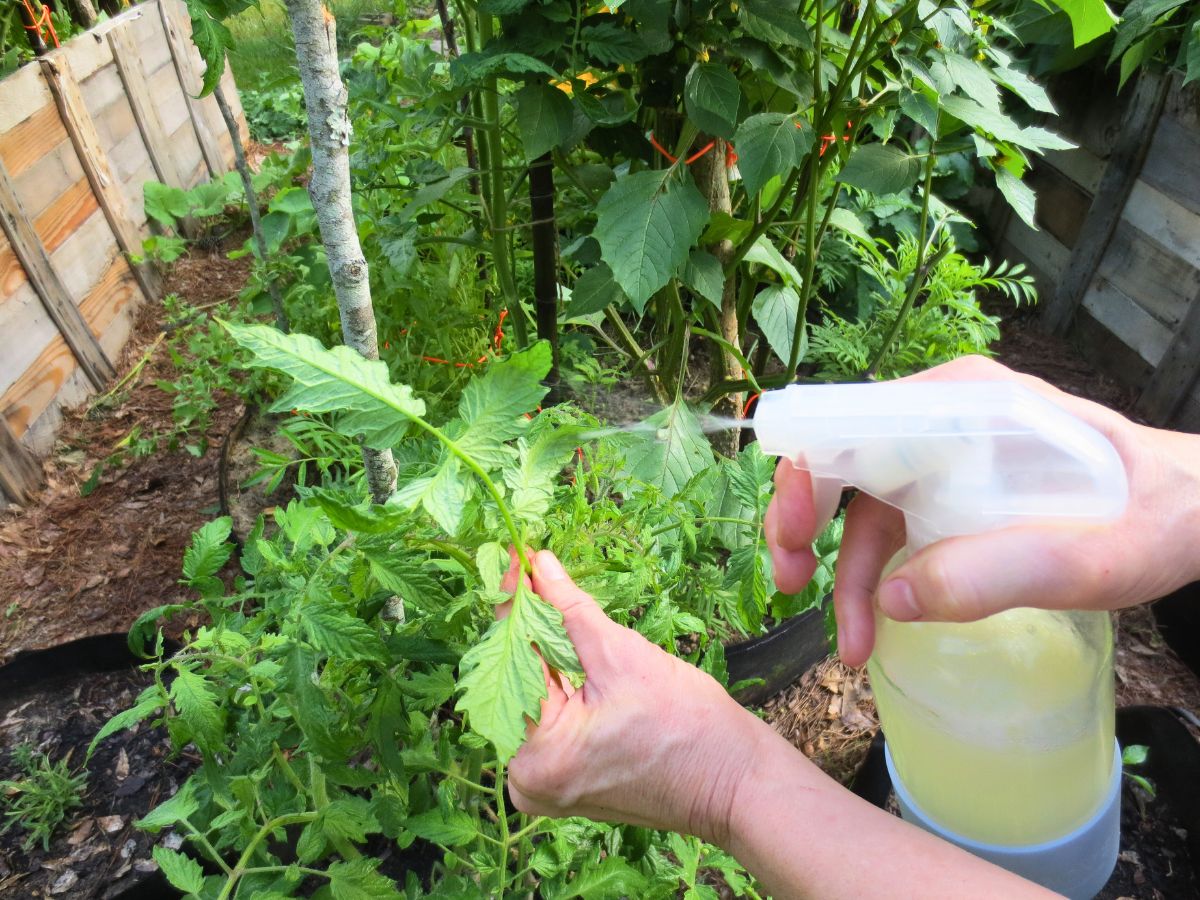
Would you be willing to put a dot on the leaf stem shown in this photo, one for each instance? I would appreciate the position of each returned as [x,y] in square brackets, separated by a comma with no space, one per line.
[505,841]
[240,868]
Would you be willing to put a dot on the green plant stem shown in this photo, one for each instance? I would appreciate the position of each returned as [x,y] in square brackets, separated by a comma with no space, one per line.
[498,198]
[466,782]
[920,270]
[727,519]
[505,842]
[265,870]
[241,867]
[207,847]
[317,775]
[636,351]
[531,827]
[456,553]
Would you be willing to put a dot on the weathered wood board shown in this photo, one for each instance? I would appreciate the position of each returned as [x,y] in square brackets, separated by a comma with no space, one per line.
[1137,304]
[81,132]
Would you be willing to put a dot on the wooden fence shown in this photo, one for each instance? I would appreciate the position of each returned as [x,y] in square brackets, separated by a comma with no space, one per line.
[1117,256]
[81,130]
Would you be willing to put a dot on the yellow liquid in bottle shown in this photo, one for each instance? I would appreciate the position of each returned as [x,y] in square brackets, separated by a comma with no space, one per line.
[1001,730]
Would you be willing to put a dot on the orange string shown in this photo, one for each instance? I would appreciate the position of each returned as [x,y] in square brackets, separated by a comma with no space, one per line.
[746,407]
[41,21]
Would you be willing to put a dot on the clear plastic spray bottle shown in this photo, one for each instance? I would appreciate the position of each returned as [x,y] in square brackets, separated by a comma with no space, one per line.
[1000,733]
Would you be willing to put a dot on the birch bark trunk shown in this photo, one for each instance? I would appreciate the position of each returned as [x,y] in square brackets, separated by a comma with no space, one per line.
[315,35]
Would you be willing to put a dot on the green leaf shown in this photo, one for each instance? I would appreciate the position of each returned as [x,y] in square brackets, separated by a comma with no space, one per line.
[209,550]
[178,808]
[339,634]
[776,23]
[183,872]
[164,204]
[646,224]
[769,145]
[473,69]
[545,628]
[144,627]
[1026,88]
[292,200]
[336,381]
[775,308]
[211,39]
[196,703]
[540,460]
[669,452]
[501,682]
[1193,54]
[881,169]
[358,880]
[1089,19]
[613,45]
[1019,196]
[348,819]
[148,703]
[845,220]
[1134,754]
[492,405]
[1001,126]
[610,879]
[443,495]
[452,828]
[594,291]
[703,276]
[361,517]
[544,119]
[492,561]
[406,576]
[711,96]
[765,253]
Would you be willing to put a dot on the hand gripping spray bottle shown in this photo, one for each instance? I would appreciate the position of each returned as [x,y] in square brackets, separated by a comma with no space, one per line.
[1000,733]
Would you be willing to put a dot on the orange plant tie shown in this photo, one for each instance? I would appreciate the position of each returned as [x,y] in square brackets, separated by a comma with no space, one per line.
[41,21]
[746,406]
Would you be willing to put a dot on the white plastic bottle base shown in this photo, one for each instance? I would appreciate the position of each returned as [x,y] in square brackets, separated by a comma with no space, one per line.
[1077,865]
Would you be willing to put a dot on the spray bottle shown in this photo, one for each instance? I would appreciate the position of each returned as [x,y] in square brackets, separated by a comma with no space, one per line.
[1000,733]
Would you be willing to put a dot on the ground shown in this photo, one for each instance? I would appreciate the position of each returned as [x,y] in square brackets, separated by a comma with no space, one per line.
[73,566]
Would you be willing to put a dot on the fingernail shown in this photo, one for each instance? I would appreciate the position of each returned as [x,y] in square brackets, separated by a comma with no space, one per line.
[548,568]
[896,599]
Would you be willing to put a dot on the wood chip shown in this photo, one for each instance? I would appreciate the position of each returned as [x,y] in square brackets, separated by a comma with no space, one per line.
[82,830]
[121,770]
[111,824]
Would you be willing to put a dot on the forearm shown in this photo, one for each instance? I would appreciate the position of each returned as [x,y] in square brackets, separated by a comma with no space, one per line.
[803,835]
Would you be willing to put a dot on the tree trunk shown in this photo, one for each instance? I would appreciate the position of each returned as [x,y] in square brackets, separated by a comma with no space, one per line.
[315,34]
[712,176]
[239,161]
[544,240]
[84,12]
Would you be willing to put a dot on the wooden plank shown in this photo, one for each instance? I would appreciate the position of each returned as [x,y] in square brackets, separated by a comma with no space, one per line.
[1171,162]
[44,182]
[12,275]
[91,55]
[53,380]
[1045,256]
[1062,205]
[20,472]
[1107,352]
[148,34]
[102,89]
[1129,323]
[1161,283]
[1177,372]
[38,268]
[26,143]
[179,42]
[1080,165]
[69,211]
[172,105]
[145,112]
[25,331]
[24,94]
[85,256]
[1165,222]
[115,124]
[113,294]
[57,70]
[1119,176]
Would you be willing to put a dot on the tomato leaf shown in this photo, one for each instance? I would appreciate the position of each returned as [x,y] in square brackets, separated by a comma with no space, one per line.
[646,224]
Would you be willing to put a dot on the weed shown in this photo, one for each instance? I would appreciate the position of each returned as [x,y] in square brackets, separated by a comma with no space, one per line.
[39,800]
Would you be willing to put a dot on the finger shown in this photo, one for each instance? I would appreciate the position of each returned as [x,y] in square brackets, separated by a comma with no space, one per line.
[873,533]
[585,621]
[1052,566]
[795,510]
[792,568]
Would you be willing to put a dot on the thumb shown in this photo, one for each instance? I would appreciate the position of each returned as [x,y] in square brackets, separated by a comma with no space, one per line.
[966,578]
[586,624]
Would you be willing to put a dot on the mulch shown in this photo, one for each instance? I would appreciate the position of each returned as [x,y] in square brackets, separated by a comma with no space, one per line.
[74,565]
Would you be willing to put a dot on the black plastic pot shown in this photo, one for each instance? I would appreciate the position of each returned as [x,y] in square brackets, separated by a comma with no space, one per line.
[777,658]
[1178,619]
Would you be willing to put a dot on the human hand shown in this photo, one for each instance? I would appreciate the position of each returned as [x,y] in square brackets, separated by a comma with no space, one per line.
[648,740]
[1147,553]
